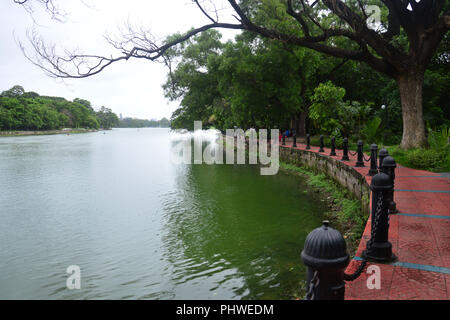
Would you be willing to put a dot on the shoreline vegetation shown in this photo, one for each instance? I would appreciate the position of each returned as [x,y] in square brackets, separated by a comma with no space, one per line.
[19,133]
[25,113]
[31,112]
[345,211]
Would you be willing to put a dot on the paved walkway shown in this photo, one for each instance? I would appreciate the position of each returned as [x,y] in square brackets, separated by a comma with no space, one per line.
[420,237]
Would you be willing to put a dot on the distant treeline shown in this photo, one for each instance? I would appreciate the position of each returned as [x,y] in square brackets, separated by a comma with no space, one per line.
[20,110]
[142,123]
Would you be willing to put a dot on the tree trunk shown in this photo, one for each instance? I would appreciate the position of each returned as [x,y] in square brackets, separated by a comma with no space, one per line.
[302,123]
[410,87]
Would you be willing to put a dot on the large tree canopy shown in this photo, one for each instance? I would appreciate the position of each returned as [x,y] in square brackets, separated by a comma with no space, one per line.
[401,46]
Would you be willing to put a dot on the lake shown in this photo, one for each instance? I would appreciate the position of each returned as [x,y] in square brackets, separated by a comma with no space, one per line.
[140,226]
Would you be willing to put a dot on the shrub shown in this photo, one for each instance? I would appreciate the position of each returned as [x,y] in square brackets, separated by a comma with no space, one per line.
[425,158]
[439,139]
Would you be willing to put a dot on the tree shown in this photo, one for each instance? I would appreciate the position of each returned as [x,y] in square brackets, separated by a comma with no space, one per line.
[15,91]
[20,110]
[408,34]
[106,118]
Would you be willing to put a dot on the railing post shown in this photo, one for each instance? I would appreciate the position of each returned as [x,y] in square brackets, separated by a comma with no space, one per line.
[283,139]
[378,248]
[345,150]
[333,146]
[321,144]
[383,154]
[360,160]
[388,166]
[373,160]
[325,255]
[308,142]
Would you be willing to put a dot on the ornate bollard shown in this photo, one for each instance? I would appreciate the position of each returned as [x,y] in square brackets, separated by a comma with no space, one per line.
[360,160]
[388,166]
[294,135]
[308,142]
[378,248]
[345,150]
[373,160]
[383,154]
[325,255]
[283,139]
[321,144]
[333,146]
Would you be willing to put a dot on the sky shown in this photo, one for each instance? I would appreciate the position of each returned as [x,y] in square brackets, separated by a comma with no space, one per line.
[131,88]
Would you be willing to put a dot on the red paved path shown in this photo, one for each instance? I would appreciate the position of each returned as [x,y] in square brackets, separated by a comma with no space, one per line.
[420,237]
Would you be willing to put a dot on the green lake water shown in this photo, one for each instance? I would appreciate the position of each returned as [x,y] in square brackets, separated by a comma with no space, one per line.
[140,226]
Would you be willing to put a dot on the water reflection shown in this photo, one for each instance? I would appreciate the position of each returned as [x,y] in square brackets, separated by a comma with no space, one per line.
[236,234]
[141,227]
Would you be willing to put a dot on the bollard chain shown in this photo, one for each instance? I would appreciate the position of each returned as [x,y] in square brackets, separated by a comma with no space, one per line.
[365,159]
[314,283]
[374,228]
[373,231]
[353,153]
[357,273]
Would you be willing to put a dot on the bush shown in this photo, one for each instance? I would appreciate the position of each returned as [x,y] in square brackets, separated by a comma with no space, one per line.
[425,159]
[439,139]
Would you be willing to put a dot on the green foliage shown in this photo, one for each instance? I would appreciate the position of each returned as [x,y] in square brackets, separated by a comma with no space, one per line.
[428,159]
[349,215]
[140,123]
[439,140]
[256,82]
[370,130]
[327,101]
[436,158]
[20,110]
[106,118]
[331,115]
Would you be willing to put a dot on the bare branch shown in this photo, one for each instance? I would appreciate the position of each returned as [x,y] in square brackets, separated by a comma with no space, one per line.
[205,13]
[55,12]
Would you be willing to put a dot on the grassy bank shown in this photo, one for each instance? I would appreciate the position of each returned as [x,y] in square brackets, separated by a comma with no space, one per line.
[345,210]
[44,132]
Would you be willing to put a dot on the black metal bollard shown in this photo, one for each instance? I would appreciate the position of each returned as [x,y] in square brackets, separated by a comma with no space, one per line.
[345,150]
[321,144]
[325,255]
[383,154]
[308,142]
[333,146]
[360,160]
[294,135]
[378,248]
[373,160]
[388,166]
[283,139]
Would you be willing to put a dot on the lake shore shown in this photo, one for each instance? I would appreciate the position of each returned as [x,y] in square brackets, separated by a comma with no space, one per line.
[14,133]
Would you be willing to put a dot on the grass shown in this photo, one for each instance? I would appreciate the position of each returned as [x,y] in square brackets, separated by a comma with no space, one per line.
[346,213]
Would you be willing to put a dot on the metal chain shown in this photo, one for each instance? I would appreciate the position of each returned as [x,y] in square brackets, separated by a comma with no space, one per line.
[373,231]
[352,154]
[314,283]
[365,159]
[374,228]
[357,273]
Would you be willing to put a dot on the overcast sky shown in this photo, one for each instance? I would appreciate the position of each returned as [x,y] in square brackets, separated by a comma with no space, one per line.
[132,88]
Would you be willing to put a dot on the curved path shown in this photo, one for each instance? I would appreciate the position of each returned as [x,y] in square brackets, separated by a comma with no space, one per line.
[419,233]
